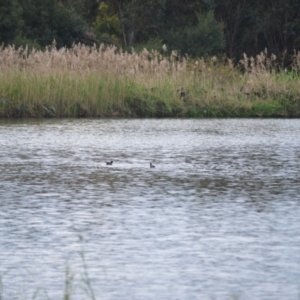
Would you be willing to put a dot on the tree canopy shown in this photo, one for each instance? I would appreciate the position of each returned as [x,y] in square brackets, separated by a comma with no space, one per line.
[193,27]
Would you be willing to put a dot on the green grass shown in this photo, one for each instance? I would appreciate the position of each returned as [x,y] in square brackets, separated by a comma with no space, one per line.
[106,83]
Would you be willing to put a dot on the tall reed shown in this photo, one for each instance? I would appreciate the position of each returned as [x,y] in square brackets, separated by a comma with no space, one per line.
[89,81]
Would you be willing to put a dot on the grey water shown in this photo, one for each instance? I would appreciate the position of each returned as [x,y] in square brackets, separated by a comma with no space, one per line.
[217,218]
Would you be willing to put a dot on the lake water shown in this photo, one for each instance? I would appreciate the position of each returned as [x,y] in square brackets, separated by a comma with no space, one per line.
[217,218]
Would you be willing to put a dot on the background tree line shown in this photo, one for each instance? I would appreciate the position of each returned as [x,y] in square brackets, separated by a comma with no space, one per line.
[193,27]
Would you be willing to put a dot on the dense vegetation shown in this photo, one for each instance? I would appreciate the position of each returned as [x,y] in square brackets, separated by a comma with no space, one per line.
[195,27]
[85,81]
[155,58]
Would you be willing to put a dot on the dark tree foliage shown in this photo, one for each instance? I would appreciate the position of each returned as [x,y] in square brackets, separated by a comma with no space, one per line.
[10,20]
[46,20]
[251,26]
[248,26]
[42,21]
[204,38]
[181,13]
[139,19]
[87,9]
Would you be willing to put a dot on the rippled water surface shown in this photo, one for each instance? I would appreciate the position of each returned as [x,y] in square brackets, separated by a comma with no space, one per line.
[218,218]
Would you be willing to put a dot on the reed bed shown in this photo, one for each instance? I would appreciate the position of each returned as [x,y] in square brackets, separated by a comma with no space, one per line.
[108,82]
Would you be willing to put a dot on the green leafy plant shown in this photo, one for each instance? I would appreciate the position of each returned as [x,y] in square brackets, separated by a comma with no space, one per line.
[204,39]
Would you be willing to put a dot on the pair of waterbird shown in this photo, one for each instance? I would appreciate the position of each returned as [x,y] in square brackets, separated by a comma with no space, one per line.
[109,163]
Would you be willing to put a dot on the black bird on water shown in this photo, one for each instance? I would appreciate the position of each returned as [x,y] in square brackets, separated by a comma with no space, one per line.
[152,166]
[110,163]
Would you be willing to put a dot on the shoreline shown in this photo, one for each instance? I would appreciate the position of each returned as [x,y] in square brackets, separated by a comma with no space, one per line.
[105,82]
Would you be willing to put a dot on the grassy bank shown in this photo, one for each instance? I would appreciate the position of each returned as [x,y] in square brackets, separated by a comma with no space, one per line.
[104,82]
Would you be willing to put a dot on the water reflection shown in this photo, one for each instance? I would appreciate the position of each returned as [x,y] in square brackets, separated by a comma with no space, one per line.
[217,218]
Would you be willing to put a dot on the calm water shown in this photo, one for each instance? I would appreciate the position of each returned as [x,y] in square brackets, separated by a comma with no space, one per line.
[218,218]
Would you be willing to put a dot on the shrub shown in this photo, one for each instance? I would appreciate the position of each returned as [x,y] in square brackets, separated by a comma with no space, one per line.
[204,39]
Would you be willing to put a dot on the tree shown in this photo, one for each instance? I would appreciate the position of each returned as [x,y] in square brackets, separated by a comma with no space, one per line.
[139,19]
[107,22]
[250,26]
[86,9]
[46,20]
[280,26]
[204,38]
[10,20]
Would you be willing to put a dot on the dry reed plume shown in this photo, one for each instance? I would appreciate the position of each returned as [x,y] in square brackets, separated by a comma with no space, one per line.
[105,81]
[85,60]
